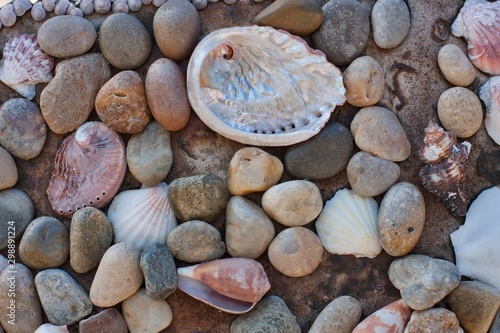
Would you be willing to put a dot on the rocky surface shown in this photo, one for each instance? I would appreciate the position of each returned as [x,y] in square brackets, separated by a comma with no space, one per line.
[340,315]
[160,273]
[433,320]
[364,82]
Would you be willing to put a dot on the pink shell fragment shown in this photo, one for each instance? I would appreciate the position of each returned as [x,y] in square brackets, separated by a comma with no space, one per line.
[390,319]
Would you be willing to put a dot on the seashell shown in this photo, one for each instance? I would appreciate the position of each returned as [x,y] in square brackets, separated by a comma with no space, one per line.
[261,86]
[477,249]
[230,2]
[38,13]
[134,5]
[158,3]
[490,95]
[87,7]
[49,5]
[488,164]
[147,2]
[348,225]
[49,328]
[120,6]
[445,171]
[233,285]
[391,318]
[24,65]
[89,168]
[479,22]
[75,11]
[21,7]
[7,16]
[61,7]
[200,4]
[102,6]
[143,216]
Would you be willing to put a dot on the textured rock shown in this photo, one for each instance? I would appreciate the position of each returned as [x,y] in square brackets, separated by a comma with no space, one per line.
[124,41]
[253,170]
[433,320]
[340,316]
[377,131]
[68,99]
[160,273]
[149,154]
[66,36]
[64,301]
[108,320]
[364,82]
[8,170]
[16,212]
[322,156]
[144,314]
[455,65]
[45,243]
[390,23]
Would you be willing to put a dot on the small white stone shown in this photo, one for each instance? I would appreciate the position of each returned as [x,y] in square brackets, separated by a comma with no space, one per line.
[455,65]
[145,314]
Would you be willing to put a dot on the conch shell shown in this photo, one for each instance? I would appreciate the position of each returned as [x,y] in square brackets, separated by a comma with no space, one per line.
[444,173]
[261,86]
[490,95]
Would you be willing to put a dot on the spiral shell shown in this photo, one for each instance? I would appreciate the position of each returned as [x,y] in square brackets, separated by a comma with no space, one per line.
[21,7]
[89,168]
[49,5]
[7,15]
[38,13]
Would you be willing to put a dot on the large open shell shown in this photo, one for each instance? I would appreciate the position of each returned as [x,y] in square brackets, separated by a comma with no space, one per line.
[490,95]
[261,86]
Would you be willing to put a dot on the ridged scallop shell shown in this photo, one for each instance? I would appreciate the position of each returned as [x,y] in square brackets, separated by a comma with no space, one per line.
[261,86]
[348,225]
[24,65]
[89,169]
[49,328]
[490,95]
[445,171]
[232,285]
[143,216]
[476,243]
[479,22]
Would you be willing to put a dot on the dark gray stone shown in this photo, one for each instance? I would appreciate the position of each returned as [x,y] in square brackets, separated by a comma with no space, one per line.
[160,273]
[16,212]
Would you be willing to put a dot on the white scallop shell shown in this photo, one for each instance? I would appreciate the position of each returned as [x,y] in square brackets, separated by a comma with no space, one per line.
[261,86]
[476,243]
[348,225]
[490,95]
[143,216]
[49,328]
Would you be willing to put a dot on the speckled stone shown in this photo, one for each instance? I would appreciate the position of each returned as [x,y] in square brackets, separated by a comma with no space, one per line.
[460,111]
[66,36]
[340,316]
[202,197]
[16,212]
[45,243]
[8,170]
[149,154]
[124,41]
[253,170]
[145,314]
[64,301]
[22,128]
[343,35]
[433,320]
[455,65]
[196,241]
[160,273]
[66,102]
[364,82]
[91,235]
[108,320]
[269,315]
[390,23]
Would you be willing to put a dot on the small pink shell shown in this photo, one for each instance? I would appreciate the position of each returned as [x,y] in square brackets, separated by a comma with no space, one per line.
[390,319]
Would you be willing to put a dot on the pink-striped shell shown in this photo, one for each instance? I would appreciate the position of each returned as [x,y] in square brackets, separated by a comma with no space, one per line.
[89,169]
[24,65]
[391,318]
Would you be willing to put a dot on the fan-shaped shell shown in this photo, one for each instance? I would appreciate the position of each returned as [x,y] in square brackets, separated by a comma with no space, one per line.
[143,216]
[348,225]
[476,243]
[24,65]
[89,169]
[49,328]
[479,22]
[261,86]
[490,95]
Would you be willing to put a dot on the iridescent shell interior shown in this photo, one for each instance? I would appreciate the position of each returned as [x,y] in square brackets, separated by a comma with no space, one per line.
[261,86]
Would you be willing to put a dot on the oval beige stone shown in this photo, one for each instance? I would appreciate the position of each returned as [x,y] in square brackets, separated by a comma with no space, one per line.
[145,314]
[455,65]
[340,316]
[8,170]
[364,82]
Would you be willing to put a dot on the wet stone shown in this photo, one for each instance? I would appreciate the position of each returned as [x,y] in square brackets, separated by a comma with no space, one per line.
[364,82]
[8,170]
[340,316]
[455,65]
[145,314]
[433,320]
[460,111]
[160,273]
[108,320]
[488,165]
[390,23]
[16,212]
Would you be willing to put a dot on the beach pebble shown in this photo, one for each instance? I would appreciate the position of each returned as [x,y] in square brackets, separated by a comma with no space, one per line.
[66,36]
[66,102]
[401,219]
[475,304]
[90,236]
[202,197]
[160,273]
[166,92]
[455,65]
[134,5]
[323,156]
[108,320]
[49,5]
[433,320]
[45,243]
[196,241]
[293,203]
[22,129]
[253,170]
[377,131]
[149,154]
[200,4]
[422,280]
[369,175]
[8,170]
[121,103]
[16,212]
[390,23]
[343,35]
[124,41]
[295,252]
[145,314]
[364,82]
[64,301]
[118,276]
[7,15]
[176,27]
[460,111]
[298,17]
[27,310]
[249,230]
[340,316]
[269,315]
